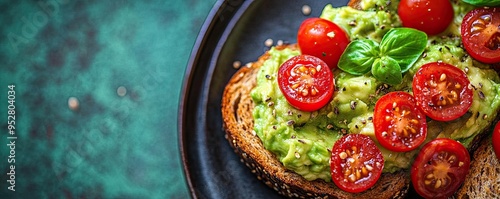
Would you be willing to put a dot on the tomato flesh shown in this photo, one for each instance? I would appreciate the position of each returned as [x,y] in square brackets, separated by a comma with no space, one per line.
[398,122]
[323,39]
[429,16]
[481,34]
[442,91]
[306,82]
[496,140]
[440,168]
[356,163]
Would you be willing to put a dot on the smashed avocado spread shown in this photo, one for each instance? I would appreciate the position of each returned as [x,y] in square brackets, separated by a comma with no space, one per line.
[302,140]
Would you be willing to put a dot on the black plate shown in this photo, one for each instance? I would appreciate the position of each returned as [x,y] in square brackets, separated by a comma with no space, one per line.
[234,30]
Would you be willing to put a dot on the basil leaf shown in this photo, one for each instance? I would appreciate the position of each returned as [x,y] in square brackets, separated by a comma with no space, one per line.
[387,70]
[404,45]
[483,2]
[359,56]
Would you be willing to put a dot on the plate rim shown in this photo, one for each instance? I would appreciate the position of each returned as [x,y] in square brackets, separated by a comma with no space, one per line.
[208,27]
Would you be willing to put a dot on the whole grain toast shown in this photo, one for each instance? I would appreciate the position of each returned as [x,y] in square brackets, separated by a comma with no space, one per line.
[237,107]
[483,180]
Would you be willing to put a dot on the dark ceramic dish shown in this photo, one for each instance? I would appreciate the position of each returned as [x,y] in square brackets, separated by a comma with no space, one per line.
[235,30]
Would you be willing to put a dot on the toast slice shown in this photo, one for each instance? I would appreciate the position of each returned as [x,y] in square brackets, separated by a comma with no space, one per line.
[237,107]
[483,180]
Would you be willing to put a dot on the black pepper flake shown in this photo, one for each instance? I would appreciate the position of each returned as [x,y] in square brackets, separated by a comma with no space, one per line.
[301,141]
[447,48]
[353,105]
[290,112]
[290,122]
[336,110]
[268,77]
[480,85]
[424,55]
[344,89]
[323,54]
[370,118]
[464,58]
[356,126]
[353,23]
[275,127]
[293,136]
[268,99]
[299,115]
[382,27]
[481,95]
[270,104]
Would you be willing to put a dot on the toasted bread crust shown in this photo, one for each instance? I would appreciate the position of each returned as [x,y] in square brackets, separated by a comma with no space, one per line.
[237,107]
[483,180]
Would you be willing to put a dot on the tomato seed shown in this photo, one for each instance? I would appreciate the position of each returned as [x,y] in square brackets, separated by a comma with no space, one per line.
[438,184]
[368,167]
[364,171]
[343,155]
[442,77]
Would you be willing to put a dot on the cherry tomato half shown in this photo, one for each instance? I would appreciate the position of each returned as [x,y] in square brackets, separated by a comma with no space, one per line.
[481,34]
[440,168]
[356,163]
[442,91]
[323,39]
[306,82]
[496,140]
[429,16]
[399,124]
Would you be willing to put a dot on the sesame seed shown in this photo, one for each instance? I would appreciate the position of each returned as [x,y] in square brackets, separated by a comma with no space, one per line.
[268,42]
[73,103]
[236,64]
[306,10]
[121,91]
[279,42]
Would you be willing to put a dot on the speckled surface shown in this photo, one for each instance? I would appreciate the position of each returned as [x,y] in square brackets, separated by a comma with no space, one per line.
[123,62]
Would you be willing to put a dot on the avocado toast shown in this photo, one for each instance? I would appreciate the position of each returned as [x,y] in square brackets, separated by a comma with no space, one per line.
[297,165]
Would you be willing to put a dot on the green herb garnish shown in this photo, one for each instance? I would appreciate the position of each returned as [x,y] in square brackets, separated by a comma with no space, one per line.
[397,52]
[483,2]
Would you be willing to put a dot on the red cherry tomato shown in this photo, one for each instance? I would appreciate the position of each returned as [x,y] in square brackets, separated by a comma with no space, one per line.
[306,82]
[440,168]
[481,34]
[323,39]
[356,163]
[496,140]
[399,124]
[442,91]
[429,16]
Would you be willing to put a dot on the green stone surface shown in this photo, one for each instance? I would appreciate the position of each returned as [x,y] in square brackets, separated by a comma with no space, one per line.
[124,61]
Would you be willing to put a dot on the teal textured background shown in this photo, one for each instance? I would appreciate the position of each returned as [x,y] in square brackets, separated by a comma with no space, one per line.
[113,145]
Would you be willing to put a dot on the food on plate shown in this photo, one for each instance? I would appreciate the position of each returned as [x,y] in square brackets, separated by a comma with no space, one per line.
[358,129]
[440,168]
[480,34]
[323,39]
[430,16]
[483,180]
[306,82]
